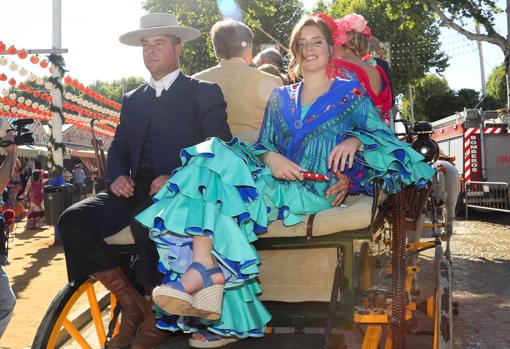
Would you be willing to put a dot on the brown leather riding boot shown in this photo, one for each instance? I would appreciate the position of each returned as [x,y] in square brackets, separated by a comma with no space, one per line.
[131,302]
[149,337]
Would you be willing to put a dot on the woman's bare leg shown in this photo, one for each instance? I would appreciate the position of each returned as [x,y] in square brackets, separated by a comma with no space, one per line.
[191,280]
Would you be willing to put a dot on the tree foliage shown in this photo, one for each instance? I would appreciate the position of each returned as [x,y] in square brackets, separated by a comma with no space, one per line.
[413,34]
[496,85]
[457,13]
[433,98]
[275,17]
[115,89]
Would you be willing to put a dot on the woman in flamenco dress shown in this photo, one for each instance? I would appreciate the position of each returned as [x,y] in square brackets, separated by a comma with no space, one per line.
[351,60]
[225,194]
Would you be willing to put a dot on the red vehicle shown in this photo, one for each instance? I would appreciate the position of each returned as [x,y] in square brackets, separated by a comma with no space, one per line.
[480,143]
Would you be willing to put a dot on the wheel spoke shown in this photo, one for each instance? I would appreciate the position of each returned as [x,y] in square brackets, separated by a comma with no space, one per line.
[96,315]
[73,331]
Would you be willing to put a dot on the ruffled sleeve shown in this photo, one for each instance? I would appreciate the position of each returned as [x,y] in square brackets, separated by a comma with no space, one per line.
[384,155]
[269,137]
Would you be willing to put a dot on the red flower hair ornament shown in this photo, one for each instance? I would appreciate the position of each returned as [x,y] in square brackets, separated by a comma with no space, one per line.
[330,22]
[341,27]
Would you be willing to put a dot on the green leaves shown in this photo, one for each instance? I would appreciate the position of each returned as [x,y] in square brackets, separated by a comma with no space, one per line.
[115,89]
[277,17]
[410,28]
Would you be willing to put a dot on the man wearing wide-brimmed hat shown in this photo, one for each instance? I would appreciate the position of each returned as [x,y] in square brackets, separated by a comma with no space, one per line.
[157,120]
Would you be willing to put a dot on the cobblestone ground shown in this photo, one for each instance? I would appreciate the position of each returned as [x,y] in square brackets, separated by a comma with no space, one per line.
[481,281]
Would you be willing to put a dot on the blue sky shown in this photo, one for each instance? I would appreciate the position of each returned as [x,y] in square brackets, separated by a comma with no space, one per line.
[91,34]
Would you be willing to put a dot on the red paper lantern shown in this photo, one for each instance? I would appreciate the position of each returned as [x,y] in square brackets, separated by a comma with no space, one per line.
[34,59]
[68,79]
[3,77]
[12,82]
[30,89]
[44,96]
[44,64]
[11,50]
[22,54]
[2,47]
[37,93]
[22,86]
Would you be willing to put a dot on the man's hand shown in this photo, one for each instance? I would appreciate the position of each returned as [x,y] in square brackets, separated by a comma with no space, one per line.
[339,189]
[158,183]
[343,151]
[281,167]
[123,186]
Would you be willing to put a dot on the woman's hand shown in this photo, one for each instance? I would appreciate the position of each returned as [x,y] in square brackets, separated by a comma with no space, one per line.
[281,167]
[158,183]
[343,152]
[339,189]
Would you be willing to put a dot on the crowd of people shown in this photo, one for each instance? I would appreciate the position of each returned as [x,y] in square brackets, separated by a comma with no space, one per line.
[206,163]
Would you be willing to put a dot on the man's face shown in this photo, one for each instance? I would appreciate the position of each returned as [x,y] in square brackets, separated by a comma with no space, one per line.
[161,54]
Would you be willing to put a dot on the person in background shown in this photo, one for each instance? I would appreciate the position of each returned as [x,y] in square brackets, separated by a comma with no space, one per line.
[7,297]
[273,70]
[271,56]
[78,181]
[34,194]
[14,190]
[68,176]
[350,35]
[245,88]
[157,120]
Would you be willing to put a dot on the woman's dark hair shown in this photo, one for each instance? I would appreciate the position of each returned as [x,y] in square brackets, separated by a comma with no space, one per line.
[36,175]
[294,41]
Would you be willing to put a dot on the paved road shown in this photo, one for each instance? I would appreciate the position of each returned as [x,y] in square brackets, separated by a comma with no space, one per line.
[481,281]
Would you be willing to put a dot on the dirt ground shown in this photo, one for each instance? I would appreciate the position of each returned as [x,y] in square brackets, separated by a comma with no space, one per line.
[481,265]
[37,271]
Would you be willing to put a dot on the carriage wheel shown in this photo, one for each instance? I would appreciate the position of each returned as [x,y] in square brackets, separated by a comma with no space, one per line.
[76,315]
[443,320]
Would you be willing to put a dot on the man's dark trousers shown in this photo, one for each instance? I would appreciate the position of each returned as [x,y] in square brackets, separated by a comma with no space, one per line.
[84,226]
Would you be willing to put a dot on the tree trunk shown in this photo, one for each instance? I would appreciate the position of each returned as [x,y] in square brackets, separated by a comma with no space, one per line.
[507,78]
[507,55]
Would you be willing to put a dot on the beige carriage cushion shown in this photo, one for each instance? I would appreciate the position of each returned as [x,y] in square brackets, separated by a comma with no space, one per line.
[355,213]
[123,237]
[297,275]
[248,136]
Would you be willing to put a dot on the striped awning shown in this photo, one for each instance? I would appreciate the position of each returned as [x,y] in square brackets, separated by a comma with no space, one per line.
[29,151]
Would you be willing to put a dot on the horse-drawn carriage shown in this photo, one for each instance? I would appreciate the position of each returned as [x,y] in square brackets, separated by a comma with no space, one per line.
[344,268]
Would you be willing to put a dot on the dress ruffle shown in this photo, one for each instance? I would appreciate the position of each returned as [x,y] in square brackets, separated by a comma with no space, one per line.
[214,194]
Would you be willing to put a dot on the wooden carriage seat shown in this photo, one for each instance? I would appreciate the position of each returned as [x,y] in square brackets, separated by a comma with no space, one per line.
[354,214]
[298,262]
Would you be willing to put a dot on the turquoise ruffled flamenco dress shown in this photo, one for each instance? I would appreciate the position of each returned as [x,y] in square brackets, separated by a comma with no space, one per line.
[223,191]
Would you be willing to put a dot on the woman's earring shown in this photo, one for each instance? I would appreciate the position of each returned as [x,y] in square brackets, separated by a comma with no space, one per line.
[329,69]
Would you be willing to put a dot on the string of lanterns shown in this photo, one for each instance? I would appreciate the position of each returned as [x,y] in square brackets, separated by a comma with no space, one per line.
[91,93]
[114,115]
[10,108]
[34,59]
[13,103]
